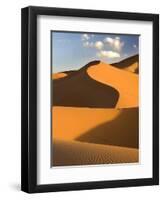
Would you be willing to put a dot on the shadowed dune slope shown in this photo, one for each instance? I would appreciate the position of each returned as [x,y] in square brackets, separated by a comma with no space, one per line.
[130,64]
[76,153]
[79,90]
[123,131]
[124,82]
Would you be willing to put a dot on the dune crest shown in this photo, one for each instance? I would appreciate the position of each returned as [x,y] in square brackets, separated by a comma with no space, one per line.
[130,64]
[58,75]
[125,82]
[78,89]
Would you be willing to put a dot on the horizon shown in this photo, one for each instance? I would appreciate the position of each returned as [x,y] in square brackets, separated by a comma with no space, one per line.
[78,49]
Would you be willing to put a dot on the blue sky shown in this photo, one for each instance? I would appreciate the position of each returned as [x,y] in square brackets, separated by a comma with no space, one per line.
[72,50]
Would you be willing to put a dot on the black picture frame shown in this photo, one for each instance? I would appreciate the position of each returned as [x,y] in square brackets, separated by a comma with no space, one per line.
[29,99]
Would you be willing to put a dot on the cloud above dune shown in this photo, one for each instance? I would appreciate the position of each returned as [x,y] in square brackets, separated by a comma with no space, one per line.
[85,37]
[114,43]
[108,54]
[109,47]
[99,45]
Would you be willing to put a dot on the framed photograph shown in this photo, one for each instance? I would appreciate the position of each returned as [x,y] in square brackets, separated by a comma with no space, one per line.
[90,99]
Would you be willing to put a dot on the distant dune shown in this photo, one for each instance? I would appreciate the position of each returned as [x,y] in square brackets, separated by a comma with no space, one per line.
[130,64]
[67,153]
[58,75]
[80,90]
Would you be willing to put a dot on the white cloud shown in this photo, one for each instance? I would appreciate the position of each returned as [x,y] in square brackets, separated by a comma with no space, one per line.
[109,40]
[85,37]
[135,46]
[115,43]
[88,44]
[108,54]
[99,45]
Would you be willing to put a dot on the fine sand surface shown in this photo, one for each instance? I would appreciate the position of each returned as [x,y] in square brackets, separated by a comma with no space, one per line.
[100,126]
[68,123]
[66,153]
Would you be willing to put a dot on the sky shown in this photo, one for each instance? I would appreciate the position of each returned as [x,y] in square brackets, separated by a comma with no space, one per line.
[73,50]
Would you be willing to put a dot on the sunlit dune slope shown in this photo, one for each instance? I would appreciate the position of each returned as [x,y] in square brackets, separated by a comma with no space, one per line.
[58,75]
[80,153]
[69,123]
[130,64]
[104,126]
[124,82]
[78,89]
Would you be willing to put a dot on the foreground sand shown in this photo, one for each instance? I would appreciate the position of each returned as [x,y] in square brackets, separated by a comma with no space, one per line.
[104,126]
[79,153]
[69,123]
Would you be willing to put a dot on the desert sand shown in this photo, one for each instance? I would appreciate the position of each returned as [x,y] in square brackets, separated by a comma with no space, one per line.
[78,89]
[130,64]
[126,83]
[58,75]
[67,153]
[95,114]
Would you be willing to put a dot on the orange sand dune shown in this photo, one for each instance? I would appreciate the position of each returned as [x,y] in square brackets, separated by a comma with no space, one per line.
[80,153]
[58,75]
[69,123]
[104,126]
[132,68]
[125,82]
[78,89]
[122,131]
[130,64]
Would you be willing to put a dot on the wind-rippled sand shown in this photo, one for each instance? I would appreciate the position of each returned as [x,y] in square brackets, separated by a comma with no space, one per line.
[80,153]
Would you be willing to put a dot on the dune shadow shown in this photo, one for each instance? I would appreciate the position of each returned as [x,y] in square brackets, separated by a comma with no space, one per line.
[79,90]
[122,131]
[127,62]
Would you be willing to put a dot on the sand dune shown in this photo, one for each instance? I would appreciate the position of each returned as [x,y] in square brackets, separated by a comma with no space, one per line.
[95,114]
[130,64]
[58,75]
[80,90]
[122,131]
[115,87]
[103,126]
[69,123]
[124,82]
[80,153]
